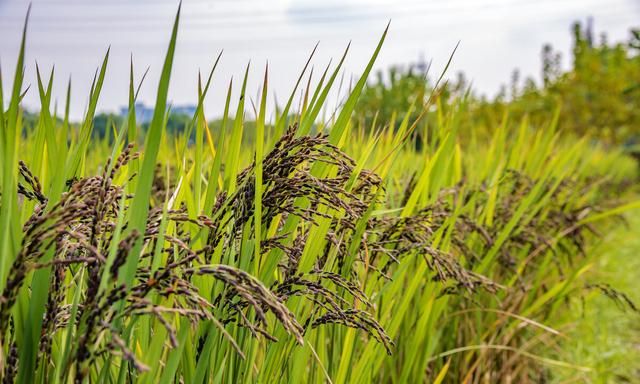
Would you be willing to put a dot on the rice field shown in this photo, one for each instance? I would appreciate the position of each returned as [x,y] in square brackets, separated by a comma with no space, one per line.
[320,250]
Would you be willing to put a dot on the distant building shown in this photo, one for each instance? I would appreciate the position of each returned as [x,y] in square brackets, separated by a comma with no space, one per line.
[144,114]
[187,109]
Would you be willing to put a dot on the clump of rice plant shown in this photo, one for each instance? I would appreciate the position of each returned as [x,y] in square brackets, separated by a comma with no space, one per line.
[286,259]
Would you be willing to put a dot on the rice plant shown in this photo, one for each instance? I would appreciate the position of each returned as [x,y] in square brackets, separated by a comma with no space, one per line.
[324,251]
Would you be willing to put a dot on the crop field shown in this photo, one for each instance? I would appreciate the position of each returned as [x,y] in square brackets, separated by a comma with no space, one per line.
[451,241]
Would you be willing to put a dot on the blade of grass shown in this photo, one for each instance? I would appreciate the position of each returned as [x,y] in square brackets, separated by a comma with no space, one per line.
[140,204]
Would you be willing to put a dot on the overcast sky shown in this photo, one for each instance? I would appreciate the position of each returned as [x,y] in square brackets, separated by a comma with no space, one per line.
[496,36]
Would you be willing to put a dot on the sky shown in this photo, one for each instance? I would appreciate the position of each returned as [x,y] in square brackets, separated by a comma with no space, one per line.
[496,36]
